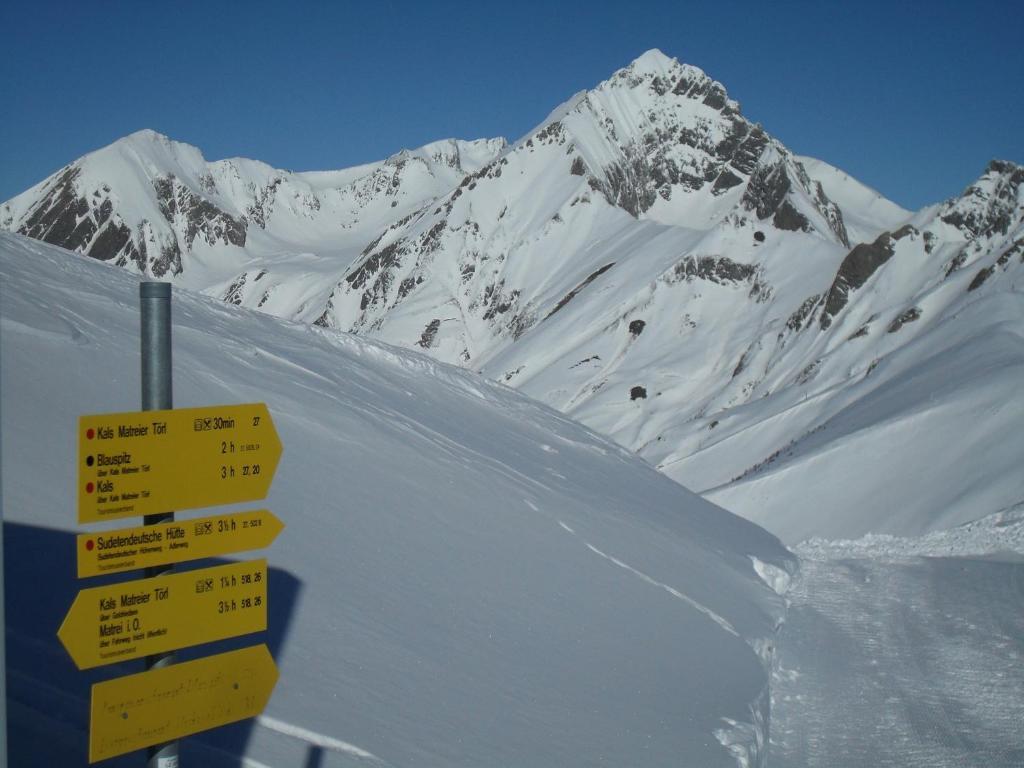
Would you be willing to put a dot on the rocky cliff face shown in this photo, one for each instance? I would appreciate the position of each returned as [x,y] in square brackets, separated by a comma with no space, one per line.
[84,223]
[691,138]
[990,206]
[659,142]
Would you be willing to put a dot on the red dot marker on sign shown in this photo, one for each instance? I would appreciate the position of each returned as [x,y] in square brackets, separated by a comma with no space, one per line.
[89,545]
[89,487]
[90,433]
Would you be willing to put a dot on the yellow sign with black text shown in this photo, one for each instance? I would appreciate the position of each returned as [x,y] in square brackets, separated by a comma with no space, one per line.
[147,616]
[138,711]
[147,462]
[145,546]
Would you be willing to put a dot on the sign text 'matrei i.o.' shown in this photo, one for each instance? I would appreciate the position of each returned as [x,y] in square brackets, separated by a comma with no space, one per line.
[148,616]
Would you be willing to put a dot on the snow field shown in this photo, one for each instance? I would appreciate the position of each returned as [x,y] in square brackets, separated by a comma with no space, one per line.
[439,609]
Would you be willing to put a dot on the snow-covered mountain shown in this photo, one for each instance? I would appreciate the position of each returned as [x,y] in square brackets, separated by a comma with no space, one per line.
[157,207]
[648,261]
[905,410]
[475,579]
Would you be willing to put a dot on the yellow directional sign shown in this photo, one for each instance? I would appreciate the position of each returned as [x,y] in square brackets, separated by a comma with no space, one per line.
[144,462]
[176,542]
[147,616]
[137,711]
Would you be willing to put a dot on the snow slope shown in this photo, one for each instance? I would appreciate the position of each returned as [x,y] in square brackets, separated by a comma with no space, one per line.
[474,579]
[924,431]
[866,212]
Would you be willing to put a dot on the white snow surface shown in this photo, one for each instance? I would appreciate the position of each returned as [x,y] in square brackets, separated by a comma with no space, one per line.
[866,212]
[999,534]
[466,576]
[905,652]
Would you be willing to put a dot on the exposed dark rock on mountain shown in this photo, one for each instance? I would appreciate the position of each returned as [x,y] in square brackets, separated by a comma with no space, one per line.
[721,270]
[427,337]
[859,265]
[62,216]
[990,205]
[233,295]
[912,314]
[572,294]
[198,216]
[981,277]
[796,321]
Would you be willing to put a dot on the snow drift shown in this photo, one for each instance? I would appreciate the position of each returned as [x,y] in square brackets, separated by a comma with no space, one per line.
[478,580]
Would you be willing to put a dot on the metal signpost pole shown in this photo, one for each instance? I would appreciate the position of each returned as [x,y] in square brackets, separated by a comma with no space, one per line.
[155,306]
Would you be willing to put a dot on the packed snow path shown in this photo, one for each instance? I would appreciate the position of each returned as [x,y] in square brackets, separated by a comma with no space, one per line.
[902,662]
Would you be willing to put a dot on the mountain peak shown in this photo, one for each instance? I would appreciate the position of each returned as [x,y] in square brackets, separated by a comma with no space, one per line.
[653,61]
[151,150]
[1006,168]
[146,134]
[664,76]
[147,139]
[991,204]
[459,154]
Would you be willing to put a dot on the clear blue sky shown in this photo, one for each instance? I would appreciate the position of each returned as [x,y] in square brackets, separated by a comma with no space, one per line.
[911,98]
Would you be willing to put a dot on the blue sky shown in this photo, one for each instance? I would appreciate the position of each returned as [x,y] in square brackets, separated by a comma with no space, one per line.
[911,98]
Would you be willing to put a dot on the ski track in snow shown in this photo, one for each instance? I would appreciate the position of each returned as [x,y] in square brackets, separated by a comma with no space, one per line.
[724,624]
[315,739]
[891,658]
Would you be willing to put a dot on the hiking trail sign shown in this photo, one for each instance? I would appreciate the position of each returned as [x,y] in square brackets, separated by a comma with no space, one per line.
[148,462]
[148,616]
[145,546]
[137,711]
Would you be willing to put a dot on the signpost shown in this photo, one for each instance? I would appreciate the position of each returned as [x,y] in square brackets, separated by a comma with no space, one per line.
[146,462]
[157,395]
[137,711]
[148,616]
[145,546]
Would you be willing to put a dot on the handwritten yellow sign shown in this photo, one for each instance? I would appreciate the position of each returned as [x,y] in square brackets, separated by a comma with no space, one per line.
[146,462]
[130,549]
[138,618]
[137,711]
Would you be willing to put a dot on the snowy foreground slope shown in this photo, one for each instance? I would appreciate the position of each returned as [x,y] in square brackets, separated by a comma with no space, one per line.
[477,580]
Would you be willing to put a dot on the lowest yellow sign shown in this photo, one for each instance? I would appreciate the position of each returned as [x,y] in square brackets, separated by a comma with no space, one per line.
[145,462]
[147,616]
[165,704]
[130,549]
